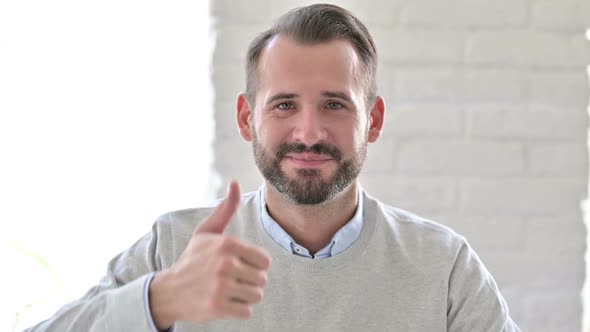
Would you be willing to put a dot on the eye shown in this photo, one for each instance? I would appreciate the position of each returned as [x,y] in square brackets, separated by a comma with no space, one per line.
[285,106]
[334,105]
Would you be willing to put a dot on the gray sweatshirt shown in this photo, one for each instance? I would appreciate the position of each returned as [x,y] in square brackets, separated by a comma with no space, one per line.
[403,273]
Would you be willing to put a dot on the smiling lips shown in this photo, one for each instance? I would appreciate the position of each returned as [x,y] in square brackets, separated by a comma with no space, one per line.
[308,159]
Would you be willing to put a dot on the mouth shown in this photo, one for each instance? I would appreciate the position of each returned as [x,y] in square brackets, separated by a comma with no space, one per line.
[308,159]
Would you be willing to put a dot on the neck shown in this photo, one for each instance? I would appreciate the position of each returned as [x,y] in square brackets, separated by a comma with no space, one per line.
[312,226]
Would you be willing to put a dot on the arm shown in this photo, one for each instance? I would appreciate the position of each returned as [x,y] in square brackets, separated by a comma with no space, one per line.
[474,301]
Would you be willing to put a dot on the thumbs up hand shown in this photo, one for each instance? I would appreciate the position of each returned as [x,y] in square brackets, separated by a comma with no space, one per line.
[216,277]
[218,221]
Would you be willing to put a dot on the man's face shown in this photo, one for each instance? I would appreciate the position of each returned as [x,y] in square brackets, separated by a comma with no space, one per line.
[310,127]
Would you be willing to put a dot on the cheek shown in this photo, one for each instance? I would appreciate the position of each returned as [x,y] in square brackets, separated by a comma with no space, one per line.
[350,136]
[271,134]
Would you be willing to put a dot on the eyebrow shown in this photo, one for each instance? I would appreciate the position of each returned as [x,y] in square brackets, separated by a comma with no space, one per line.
[341,95]
[329,94]
[281,95]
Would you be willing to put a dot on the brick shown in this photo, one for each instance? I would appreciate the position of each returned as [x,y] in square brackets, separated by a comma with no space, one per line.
[492,85]
[535,271]
[494,14]
[426,85]
[232,42]
[386,82]
[565,235]
[586,318]
[531,197]
[381,12]
[460,158]
[226,126]
[431,14]
[380,155]
[571,326]
[243,12]
[523,48]
[419,120]
[558,159]
[542,123]
[228,81]
[418,195]
[417,47]
[499,14]
[229,151]
[560,89]
[563,15]
[581,49]
[453,85]
[543,316]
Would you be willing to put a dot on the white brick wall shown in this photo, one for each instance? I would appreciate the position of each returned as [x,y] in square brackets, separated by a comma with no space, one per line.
[485,131]
[465,14]
[563,15]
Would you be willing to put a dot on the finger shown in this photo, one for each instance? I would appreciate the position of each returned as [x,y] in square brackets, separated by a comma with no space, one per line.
[244,293]
[252,255]
[218,221]
[236,310]
[250,275]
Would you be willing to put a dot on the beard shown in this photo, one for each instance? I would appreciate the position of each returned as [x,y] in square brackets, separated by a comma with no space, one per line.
[308,187]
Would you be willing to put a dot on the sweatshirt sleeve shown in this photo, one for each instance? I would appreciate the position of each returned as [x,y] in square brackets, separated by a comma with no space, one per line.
[474,301]
[118,302]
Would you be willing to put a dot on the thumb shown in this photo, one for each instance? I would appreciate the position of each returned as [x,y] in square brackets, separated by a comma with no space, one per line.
[218,220]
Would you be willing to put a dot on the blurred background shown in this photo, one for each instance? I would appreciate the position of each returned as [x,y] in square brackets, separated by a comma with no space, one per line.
[116,112]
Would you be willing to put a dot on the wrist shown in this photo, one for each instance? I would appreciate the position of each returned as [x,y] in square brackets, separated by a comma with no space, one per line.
[161,303]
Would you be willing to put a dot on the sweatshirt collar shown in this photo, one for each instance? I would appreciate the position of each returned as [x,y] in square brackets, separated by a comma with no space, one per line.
[343,238]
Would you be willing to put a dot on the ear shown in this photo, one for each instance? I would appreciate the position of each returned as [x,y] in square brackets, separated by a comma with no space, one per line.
[244,117]
[376,120]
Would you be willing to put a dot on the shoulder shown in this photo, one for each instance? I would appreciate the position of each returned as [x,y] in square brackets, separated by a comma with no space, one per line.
[417,223]
[415,233]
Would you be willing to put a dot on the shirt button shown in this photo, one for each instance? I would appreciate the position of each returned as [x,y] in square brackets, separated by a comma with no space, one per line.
[298,250]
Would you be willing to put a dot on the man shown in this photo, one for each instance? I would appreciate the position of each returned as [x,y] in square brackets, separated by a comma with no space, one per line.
[310,250]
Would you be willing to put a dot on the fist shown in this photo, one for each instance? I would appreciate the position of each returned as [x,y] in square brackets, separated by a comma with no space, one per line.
[216,277]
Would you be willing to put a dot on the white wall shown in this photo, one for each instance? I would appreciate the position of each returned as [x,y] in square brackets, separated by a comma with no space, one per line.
[105,123]
[486,130]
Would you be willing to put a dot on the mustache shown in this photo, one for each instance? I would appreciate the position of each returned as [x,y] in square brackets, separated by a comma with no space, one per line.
[319,148]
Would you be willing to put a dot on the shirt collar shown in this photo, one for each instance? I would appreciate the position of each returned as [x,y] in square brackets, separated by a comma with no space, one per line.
[343,238]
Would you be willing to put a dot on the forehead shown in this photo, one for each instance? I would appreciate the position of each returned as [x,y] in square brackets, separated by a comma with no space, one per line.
[287,65]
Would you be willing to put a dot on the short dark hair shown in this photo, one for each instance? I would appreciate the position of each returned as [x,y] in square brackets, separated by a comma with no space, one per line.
[314,24]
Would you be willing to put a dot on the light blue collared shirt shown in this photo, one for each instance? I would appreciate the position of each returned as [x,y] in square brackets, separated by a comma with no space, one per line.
[343,239]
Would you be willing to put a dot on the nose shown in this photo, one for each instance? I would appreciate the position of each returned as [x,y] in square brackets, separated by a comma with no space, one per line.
[309,127]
